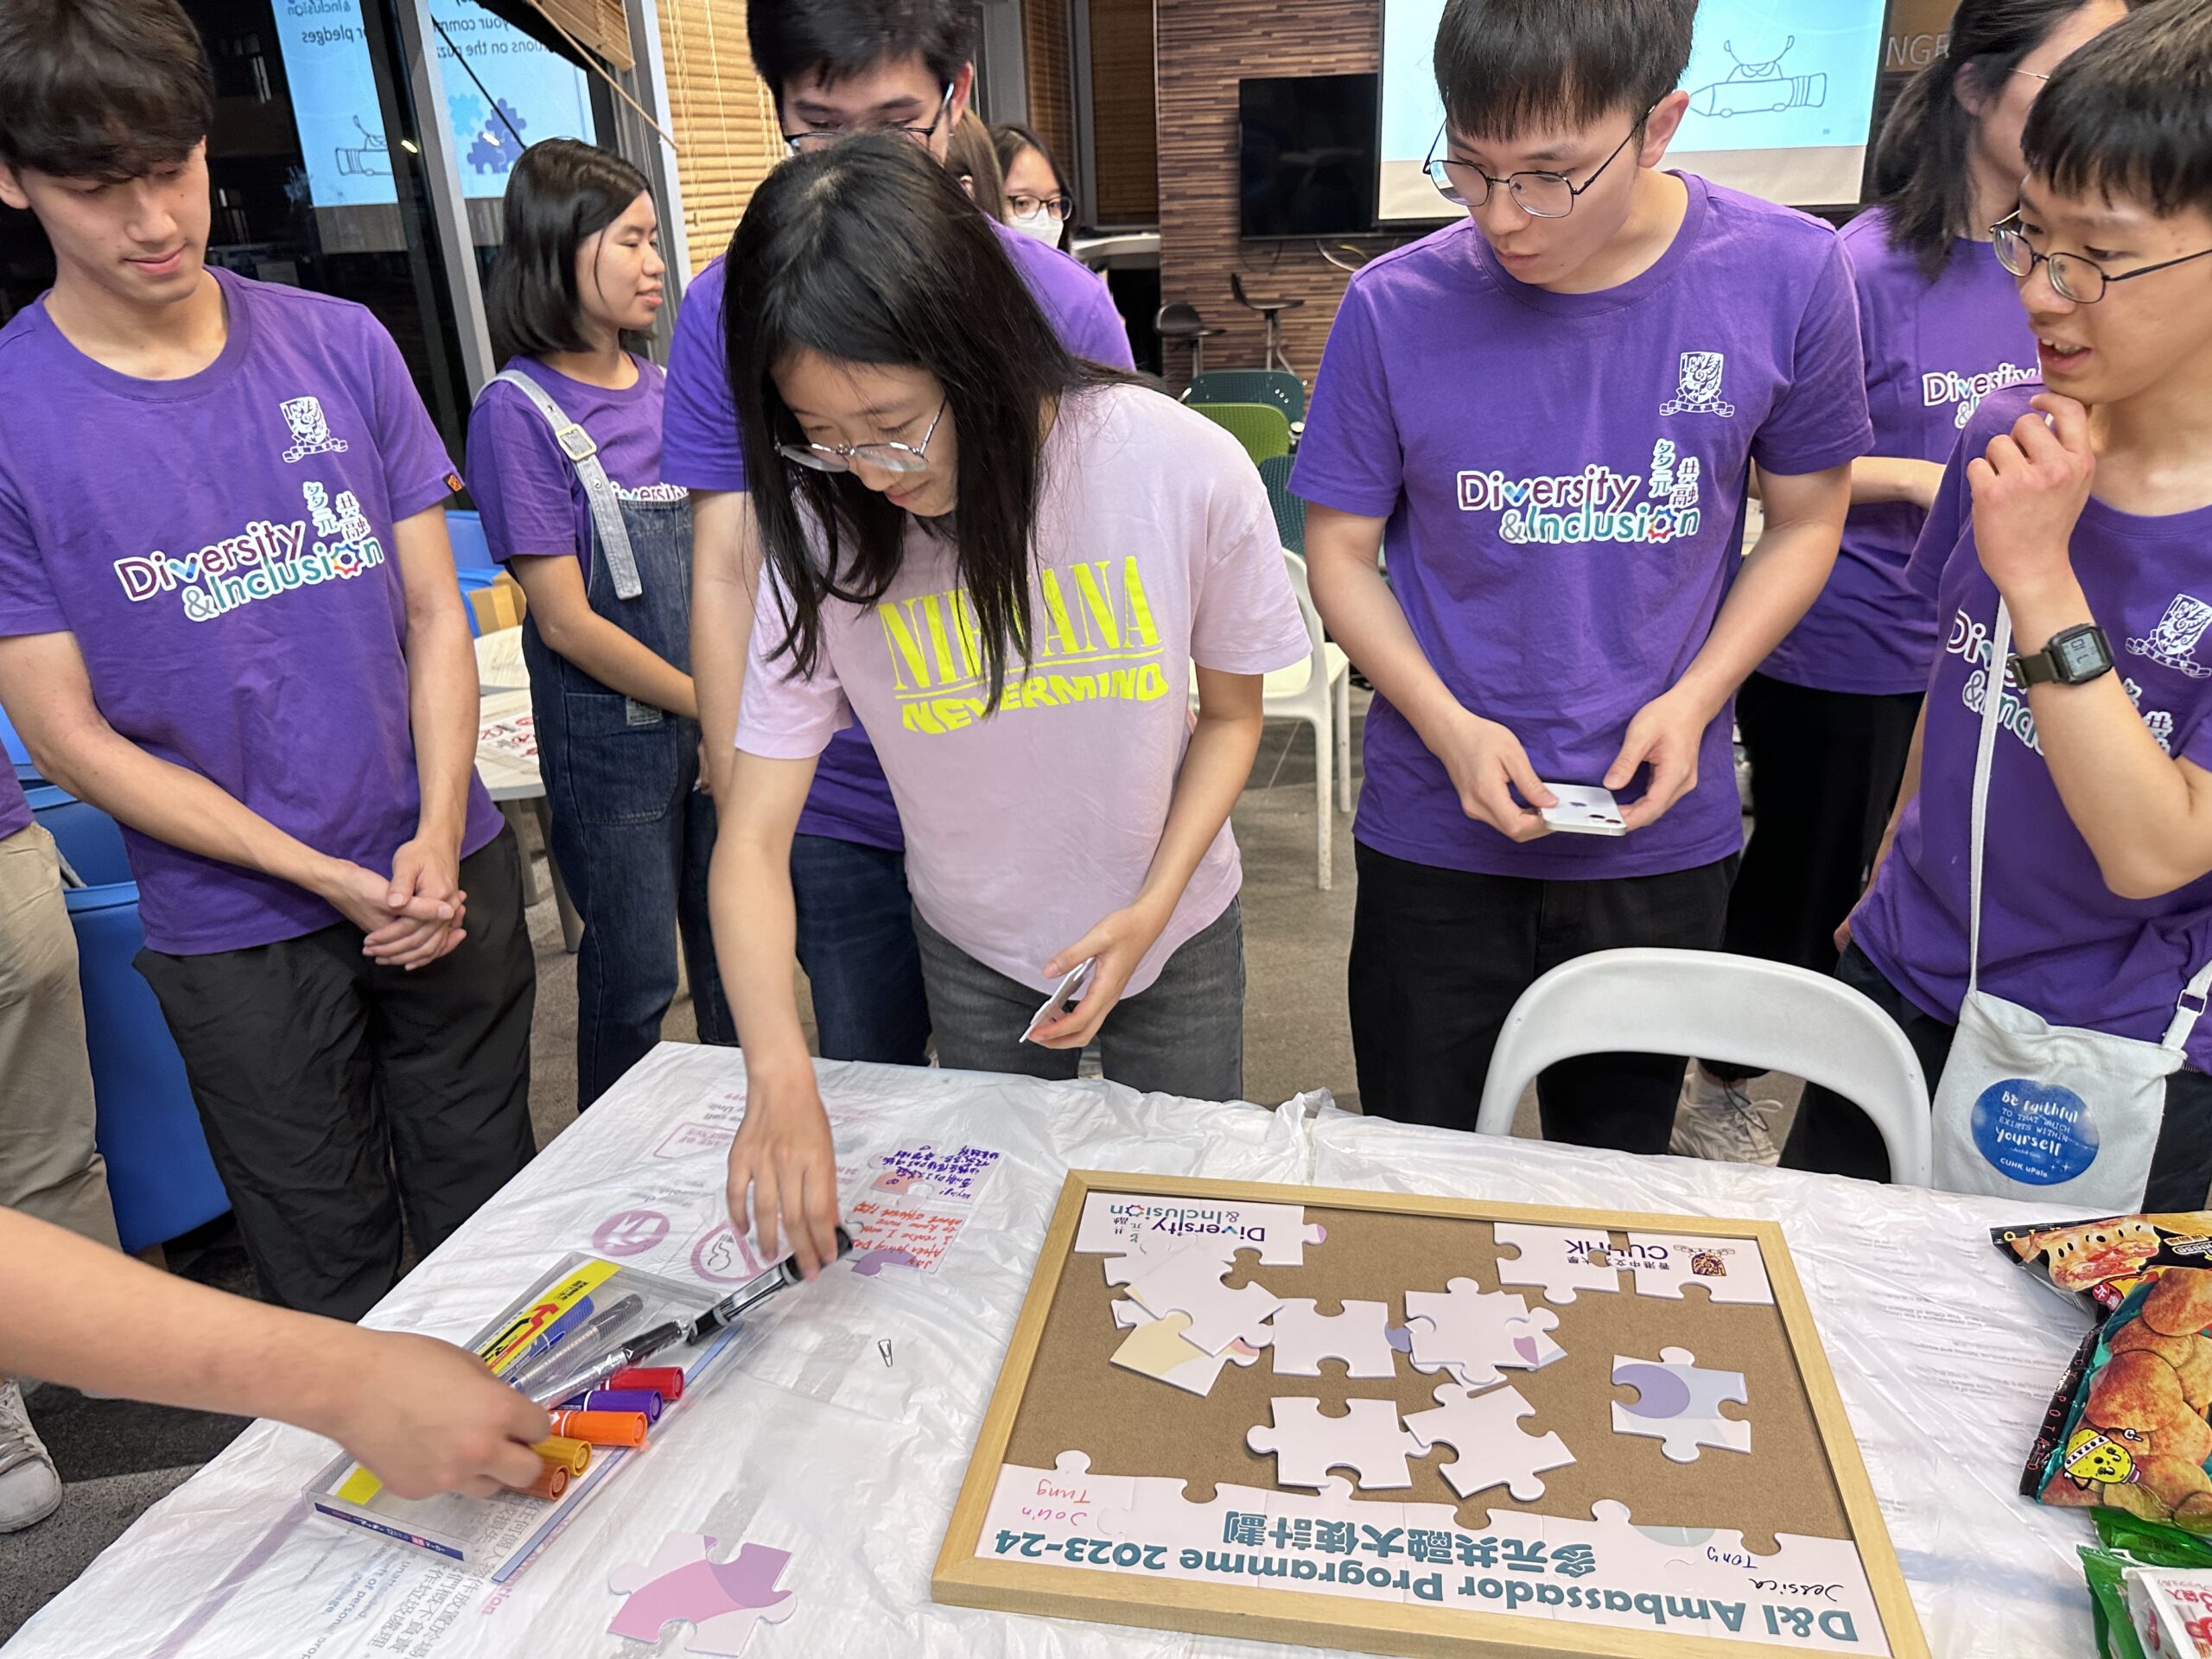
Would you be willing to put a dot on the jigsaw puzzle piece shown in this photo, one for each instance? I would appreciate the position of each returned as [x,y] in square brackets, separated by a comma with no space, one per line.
[725,1637]
[1730,1269]
[1066,1501]
[1678,1401]
[1483,1429]
[1190,1282]
[1160,1349]
[1471,1332]
[1366,1439]
[1561,1259]
[1358,1336]
[683,1584]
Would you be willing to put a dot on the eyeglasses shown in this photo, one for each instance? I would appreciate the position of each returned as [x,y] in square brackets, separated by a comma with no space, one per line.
[1023,205]
[821,137]
[2082,282]
[1539,195]
[885,457]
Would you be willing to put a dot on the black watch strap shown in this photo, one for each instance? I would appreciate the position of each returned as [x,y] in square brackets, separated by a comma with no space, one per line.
[2074,657]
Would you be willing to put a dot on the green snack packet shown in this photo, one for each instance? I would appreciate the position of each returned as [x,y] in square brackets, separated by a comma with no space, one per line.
[2149,1543]
[2116,1637]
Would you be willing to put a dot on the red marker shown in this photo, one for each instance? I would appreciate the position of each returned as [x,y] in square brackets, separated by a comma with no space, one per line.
[667,1381]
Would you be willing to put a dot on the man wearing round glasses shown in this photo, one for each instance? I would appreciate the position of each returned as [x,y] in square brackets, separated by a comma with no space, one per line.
[836,68]
[1547,412]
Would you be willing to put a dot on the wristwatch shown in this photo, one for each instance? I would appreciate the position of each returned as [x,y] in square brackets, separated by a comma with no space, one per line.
[2074,657]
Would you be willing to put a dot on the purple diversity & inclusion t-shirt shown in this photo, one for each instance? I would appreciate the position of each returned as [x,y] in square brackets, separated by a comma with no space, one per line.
[221,548]
[15,810]
[527,489]
[851,799]
[2054,940]
[1563,476]
[1934,351]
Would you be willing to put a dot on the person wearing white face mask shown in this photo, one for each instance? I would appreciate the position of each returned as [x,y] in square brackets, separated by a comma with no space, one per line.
[1039,203]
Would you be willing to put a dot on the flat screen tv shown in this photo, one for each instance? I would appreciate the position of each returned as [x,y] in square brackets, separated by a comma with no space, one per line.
[1306,155]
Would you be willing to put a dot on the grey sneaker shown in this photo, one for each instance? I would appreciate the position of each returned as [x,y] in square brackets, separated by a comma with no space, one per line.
[1721,1122]
[29,1490]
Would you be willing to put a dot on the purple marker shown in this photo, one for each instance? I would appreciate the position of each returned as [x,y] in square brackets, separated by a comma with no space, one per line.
[645,1399]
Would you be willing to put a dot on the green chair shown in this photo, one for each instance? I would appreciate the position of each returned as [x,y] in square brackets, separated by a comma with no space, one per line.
[1290,510]
[1262,429]
[1287,391]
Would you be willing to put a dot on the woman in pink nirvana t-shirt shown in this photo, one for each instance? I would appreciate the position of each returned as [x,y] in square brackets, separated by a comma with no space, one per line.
[1023,665]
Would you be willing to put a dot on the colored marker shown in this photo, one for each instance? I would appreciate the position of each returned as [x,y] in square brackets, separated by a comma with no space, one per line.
[573,1455]
[666,1380]
[643,1401]
[601,1428]
[552,1481]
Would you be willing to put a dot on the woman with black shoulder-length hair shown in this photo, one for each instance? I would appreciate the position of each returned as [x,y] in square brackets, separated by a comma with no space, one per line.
[564,458]
[1007,564]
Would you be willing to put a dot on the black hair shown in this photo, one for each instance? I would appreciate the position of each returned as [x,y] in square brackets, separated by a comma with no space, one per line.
[837,38]
[1508,66]
[2130,114]
[971,156]
[1010,139]
[868,251]
[1920,162]
[560,192]
[100,89]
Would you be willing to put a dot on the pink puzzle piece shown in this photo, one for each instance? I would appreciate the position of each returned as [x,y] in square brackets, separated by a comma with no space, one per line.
[721,1600]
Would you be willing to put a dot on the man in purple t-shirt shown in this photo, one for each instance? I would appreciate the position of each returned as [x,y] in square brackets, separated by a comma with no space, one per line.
[228,617]
[1547,414]
[837,67]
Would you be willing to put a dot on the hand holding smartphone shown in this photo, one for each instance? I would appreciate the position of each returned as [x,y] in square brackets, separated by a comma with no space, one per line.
[1064,996]
[1583,809]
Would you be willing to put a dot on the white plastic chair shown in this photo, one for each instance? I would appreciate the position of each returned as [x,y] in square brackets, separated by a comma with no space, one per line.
[1735,1008]
[1319,692]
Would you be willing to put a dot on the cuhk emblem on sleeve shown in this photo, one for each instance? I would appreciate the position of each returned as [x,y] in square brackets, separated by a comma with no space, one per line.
[1698,391]
[310,432]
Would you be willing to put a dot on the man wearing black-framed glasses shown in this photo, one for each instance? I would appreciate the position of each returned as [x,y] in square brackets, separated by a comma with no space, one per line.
[1549,412]
[837,67]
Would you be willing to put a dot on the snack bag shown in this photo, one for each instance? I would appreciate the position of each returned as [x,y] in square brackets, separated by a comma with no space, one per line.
[2171,1609]
[2104,1259]
[2106,1571]
[2132,1433]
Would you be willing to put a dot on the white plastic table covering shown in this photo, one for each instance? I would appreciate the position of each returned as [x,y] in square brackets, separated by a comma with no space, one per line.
[809,1443]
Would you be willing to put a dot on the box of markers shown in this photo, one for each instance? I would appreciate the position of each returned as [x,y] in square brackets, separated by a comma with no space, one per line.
[550,1324]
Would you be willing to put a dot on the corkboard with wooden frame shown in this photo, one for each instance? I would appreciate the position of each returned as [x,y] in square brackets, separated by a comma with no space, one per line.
[1057,1395]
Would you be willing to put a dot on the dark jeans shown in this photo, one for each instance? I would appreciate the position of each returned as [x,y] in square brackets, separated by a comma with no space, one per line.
[856,942]
[337,1093]
[1440,957]
[1825,770]
[1183,1034]
[1833,1136]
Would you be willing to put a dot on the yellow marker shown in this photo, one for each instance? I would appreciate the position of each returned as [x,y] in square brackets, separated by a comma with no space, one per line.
[573,1455]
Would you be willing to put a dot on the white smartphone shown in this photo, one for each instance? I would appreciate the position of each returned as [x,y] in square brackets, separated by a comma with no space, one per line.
[1583,809]
[1064,996]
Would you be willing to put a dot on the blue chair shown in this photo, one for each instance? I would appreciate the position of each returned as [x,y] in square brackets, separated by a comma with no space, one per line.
[1289,509]
[159,1175]
[19,754]
[471,558]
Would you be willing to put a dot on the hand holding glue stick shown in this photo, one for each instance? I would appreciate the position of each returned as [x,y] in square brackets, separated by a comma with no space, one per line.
[422,1415]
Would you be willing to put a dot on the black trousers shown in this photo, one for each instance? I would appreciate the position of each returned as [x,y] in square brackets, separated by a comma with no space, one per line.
[1834,1137]
[337,1093]
[1440,957]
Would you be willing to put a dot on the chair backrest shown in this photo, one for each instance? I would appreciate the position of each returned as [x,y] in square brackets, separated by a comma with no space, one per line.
[1262,429]
[1178,318]
[1734,1008]
[1290,510]
[1303,591]
[1250,386]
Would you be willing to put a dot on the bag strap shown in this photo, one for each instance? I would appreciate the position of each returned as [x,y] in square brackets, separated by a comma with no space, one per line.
[2196,996]
[598,490]
[1993,704]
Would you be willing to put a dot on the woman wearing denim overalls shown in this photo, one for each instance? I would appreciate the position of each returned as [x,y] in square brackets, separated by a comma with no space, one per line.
[564,461]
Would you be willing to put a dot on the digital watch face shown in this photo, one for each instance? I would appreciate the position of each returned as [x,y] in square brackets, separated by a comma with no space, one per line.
[2079,655]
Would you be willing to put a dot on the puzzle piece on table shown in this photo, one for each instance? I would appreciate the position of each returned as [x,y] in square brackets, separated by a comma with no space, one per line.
[1190,1282]
[1066,1501]
[1472,1332]
[1561,1259]
[1366,1439]
[1160,1349]
[1303,1338]
[1484,1428]
[1283,1244]
[683,1584]
[1731,1269]
[1679,1402]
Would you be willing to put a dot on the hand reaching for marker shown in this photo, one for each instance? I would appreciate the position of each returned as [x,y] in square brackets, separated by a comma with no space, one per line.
[426,1417]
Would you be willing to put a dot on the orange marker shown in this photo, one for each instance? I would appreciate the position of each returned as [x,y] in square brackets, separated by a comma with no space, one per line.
[573,1455]
[552,1481]
[601,1428]
[666,1380]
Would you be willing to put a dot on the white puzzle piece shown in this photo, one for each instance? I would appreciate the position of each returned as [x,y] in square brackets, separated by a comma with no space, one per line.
[1161,1350]
[1358,1336]
[1730,1269]
[1472,1332]
[1125,1224]
[1189,1281]
[1679,1402]
[1561,1259]
[1485,1430]
[1366,1439]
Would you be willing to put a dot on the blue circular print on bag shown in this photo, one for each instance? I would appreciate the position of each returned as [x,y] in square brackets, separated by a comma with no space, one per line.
[2037,1133]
